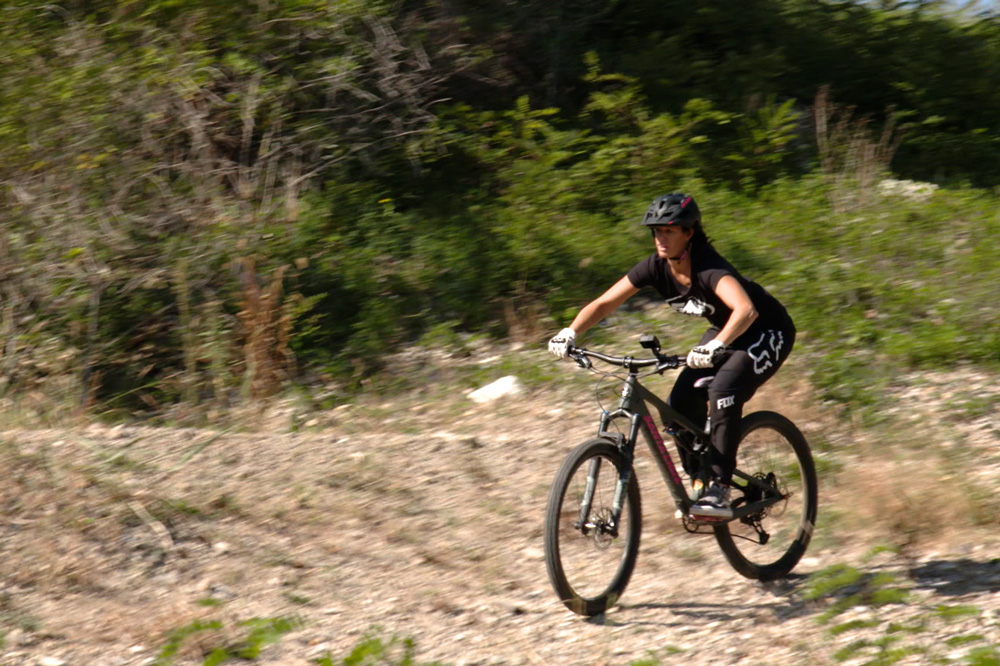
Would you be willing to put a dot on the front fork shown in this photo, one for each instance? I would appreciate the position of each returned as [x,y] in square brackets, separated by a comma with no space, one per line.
[627,447]
[584,524]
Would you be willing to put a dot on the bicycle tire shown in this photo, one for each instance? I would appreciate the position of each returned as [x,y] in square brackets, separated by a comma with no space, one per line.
[769,444]
[568,555]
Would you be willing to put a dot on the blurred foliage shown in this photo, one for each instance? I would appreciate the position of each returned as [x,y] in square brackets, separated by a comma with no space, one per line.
[207,201]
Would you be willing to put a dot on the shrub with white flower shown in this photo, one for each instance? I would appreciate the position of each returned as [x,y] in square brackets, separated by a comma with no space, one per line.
[908,189]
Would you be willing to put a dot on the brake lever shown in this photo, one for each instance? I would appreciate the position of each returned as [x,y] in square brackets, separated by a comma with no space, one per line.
[668,363]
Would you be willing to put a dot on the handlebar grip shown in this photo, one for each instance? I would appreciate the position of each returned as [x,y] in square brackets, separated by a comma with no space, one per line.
[721,356]
[581,359]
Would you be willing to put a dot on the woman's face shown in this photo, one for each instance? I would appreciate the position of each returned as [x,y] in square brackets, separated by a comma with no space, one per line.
[671,241]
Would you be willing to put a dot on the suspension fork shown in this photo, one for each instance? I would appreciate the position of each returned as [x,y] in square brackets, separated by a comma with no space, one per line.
[627,447]
[583,524]
[625,475]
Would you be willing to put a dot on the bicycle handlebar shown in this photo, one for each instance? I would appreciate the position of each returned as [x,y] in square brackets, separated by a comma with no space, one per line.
[582,357]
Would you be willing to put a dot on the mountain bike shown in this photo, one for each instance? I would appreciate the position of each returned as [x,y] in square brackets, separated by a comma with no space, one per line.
[593,519]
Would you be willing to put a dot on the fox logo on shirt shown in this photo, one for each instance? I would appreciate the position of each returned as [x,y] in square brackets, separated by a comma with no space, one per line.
[693,307]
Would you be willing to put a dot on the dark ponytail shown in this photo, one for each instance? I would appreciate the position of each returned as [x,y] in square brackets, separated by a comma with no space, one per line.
[700,239]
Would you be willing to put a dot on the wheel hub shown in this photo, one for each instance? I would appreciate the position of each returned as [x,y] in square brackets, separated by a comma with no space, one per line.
[604,531]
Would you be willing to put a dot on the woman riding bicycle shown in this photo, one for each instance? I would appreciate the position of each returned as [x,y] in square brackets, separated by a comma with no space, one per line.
[750,329]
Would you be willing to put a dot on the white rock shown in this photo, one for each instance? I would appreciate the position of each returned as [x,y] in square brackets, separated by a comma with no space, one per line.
[51,661]
[509,385]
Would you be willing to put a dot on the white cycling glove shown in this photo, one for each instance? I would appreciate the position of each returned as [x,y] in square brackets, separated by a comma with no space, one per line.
[559,345]
[703,356]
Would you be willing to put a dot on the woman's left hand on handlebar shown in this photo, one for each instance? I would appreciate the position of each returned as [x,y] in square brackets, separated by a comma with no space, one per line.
[704,356]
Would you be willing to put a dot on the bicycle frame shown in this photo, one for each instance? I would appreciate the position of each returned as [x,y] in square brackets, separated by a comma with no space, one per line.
[633,405]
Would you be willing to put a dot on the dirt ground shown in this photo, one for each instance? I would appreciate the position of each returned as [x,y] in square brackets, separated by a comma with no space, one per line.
[408,519]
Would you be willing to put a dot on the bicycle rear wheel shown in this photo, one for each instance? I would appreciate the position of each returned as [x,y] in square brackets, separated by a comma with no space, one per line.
[589,559]
[769,543]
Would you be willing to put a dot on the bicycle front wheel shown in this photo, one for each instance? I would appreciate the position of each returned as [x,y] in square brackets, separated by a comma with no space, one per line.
[589,556]
[773,461]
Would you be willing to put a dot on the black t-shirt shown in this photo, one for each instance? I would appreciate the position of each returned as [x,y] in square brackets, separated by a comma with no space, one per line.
[700,299]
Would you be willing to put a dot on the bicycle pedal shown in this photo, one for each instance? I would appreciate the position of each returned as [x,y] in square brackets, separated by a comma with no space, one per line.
[710,513]
[691,517]
[707,519]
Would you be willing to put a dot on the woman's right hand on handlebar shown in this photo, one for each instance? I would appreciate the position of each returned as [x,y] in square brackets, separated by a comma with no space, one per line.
[560,343]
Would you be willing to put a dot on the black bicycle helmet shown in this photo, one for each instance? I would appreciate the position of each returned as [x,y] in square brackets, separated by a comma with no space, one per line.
[672,210]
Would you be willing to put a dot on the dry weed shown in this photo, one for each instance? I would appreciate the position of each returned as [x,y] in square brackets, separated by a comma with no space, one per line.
[905,502]
[852,158]
[268,327]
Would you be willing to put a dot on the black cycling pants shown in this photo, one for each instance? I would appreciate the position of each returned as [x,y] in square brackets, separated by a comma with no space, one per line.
[756,357]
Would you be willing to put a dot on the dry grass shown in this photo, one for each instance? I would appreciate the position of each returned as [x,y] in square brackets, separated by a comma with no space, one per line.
[380,512]
[267,324]
[903,502]
[852,157]
[62,513]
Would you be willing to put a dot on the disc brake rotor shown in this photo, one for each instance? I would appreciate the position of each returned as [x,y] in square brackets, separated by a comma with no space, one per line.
[602,529]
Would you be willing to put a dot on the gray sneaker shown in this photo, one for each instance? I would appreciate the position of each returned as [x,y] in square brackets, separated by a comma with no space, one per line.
[714,503]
